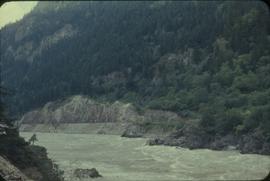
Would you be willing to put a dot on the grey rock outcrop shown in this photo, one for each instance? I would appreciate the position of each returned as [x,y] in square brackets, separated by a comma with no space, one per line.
[133,131]
[227,142]
[192,137]
[86,173]
[29,50]
[79,109]
[9,172]
[155,141]
[82,109]
[254,142]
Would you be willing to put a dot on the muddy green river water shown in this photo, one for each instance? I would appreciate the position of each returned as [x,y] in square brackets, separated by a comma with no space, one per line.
[125,159]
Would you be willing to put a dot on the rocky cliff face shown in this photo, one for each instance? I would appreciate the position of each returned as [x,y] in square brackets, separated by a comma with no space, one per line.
[82,109]
[77,109]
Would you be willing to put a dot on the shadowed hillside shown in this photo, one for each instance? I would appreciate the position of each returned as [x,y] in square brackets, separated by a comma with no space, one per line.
[18,159]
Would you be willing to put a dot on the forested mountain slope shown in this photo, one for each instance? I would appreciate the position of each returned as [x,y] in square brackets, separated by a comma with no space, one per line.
[209,60]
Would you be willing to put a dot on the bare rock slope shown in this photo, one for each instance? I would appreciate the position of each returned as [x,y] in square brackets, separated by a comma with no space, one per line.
[9,172]
[79,109]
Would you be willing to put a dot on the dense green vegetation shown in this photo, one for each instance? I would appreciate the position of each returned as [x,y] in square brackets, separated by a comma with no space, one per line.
[210,60]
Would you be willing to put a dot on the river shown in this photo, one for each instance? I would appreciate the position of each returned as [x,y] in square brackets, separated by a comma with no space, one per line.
[125,159]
